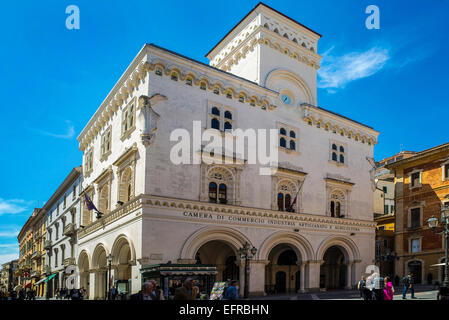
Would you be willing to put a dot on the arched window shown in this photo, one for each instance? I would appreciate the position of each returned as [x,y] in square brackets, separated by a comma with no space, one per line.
[215,111]
[337,209]
[266,26]
[287,202]
[283,143]
[158,72]
[342,158]
[189,81]
[332,209]
[342,149]
[222,197]
[304,45]
[334,156]
[229,95]
[241,98]
[228,115]
[294,40]
[292,134]
[129,192]
[334,146]
[292,145]
[212,192]
[283,132]
[252,103]
[215,124]
[280,202]
[203,85]
[276,30]
[216,90]
[285,35]
[227,125]
[174,76]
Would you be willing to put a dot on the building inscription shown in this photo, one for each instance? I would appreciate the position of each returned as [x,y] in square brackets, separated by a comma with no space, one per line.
[264,221]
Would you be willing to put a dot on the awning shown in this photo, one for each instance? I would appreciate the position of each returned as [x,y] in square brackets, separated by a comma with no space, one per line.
[40,281]
[50,277]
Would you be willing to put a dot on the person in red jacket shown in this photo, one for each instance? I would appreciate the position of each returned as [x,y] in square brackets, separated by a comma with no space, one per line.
[388,289]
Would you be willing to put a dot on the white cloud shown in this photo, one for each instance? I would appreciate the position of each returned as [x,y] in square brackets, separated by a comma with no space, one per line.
[68,135]
[8,257]
[12,206]
[337,71]
[9,234]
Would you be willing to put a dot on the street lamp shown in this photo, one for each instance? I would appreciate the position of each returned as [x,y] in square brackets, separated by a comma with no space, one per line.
[433,223]
[109,258]
[247,254]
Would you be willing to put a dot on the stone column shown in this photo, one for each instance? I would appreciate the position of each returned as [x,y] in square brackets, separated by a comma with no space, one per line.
[241,265]
[92,284]
[302,266]
[257,277]
[314,275]
[136,279]
[349,275]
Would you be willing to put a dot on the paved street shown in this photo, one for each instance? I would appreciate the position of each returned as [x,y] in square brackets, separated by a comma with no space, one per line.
[421,293]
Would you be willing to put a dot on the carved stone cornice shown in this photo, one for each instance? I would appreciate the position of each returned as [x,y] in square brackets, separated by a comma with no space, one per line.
[126,155]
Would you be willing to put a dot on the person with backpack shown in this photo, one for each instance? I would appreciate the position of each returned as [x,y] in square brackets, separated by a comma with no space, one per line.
[408,282]
[232,292]
[361,286]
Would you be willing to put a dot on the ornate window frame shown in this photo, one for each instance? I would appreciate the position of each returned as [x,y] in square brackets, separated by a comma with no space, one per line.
[288,175]
[106,143]
[342,187]
[288,138]
[221,118]
[128,120]
[104,180]
[443,171]
[339,153]
[419,185]
[415,205]
[210,172]
[127,160]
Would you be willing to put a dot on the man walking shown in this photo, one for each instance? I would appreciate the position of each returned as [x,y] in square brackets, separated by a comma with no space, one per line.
[408,282]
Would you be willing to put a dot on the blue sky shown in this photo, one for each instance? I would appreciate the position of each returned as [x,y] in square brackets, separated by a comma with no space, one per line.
[53,79]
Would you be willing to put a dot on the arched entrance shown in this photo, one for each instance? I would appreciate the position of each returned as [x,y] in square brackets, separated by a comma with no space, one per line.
[415,266]
[99,264]
[282,274]
[223,256]
[333,271]
[83,267]
[122,262]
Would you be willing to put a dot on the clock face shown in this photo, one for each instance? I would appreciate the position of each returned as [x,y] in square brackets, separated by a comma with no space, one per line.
[286,99]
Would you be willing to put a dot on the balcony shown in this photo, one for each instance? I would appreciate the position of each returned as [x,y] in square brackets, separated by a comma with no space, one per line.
[47,270]
[69,230]
[47,244]
[35,274]
[69,262]
[36,255]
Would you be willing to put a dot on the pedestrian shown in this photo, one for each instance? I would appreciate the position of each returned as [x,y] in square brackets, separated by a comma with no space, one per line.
[388,289]
[408,282]
[146,293]
[232,291]
[187,292]
[361,286]
[113,293]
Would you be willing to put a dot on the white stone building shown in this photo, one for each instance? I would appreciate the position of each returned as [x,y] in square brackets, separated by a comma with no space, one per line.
[63,221]
[262,75]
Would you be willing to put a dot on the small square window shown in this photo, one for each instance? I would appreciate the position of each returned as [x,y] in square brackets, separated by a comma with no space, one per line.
[415,179]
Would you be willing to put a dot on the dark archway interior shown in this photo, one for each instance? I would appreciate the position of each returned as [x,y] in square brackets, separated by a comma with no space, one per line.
[333,271]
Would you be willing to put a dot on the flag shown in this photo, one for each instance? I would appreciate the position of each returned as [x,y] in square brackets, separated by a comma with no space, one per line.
[292,206]
[90,205]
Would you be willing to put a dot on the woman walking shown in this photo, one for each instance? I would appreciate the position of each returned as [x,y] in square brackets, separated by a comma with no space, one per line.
[388,289]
